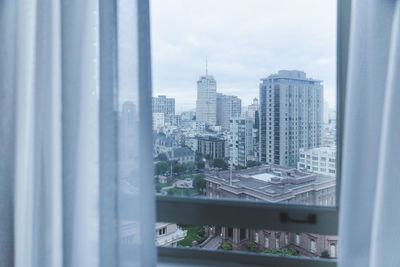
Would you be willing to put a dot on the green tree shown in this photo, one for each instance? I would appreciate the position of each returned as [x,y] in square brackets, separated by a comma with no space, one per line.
[220,163]
[158,188]
[201,165]
[190,166]
[178,168]
[161,167]
[251,246]
[325,254]
[283,252]
[253,163]
[162,157]
[199,182]
[240,167]
[226,246]
[161,133]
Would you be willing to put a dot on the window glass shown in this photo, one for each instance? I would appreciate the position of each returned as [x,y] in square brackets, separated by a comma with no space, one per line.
[313,246]
[244,103]
[333,251]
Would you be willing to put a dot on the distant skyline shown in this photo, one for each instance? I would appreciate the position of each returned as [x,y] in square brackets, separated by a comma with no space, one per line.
[243,41]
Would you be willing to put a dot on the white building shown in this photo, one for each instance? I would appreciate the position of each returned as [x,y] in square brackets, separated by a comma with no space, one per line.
[228,106]
[291,109]
[206,104]
[241,140]
[158,120]
[319,160]
[251,110]
[169,234]
[162,104]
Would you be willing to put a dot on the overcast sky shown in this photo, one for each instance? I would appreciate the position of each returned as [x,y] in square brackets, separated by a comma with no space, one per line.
[244,40]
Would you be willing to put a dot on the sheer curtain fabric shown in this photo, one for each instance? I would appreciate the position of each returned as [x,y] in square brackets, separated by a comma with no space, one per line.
[369,212]
[75,93]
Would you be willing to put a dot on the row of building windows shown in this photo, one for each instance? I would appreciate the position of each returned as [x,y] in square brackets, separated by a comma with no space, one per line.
[313,244]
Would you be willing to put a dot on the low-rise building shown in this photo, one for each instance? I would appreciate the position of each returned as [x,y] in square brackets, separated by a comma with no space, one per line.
[163,144]
[169,234]
[275,184]
[181,155]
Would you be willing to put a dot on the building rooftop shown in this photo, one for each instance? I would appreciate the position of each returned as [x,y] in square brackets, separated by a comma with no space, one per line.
[270,182]
[292,75]
[182,152]
[326,150]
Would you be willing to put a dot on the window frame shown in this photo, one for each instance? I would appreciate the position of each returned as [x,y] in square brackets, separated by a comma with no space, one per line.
[250,214]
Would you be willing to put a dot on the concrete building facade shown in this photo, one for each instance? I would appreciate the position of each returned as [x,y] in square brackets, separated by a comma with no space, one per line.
[212,146]
[241,140]
[319,160]
[251,109]
[228,106]
[158,120]
[291,109]
[162,104]
[206,103]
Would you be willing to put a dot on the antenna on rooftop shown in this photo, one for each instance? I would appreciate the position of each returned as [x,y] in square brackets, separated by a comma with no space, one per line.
[206,67]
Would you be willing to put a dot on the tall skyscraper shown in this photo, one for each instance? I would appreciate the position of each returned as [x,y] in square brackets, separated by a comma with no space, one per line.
[162,104]
[291,108]
[251,110]
[228,106]
[206,104]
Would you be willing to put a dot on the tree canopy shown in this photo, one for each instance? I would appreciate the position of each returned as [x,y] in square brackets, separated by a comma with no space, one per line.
[161,167]
[220,163]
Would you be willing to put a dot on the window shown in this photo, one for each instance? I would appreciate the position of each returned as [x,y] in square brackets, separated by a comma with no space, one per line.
[230,232]
[284,148]
[313,246]
[266,242]
[333,251]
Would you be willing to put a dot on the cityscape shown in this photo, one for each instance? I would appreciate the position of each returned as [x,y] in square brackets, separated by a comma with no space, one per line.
[280,149]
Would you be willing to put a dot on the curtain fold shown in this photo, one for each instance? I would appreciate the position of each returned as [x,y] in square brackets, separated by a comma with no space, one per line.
[76,191]
[369,190]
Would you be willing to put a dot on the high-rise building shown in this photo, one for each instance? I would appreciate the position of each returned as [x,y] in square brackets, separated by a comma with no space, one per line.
[241,140]
[162,104]
[212,146]
[291,108]
[206,104]
[251,110]
[228,106]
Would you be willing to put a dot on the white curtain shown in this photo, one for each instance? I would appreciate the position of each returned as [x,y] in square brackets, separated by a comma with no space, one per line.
[369,228]
[76,186]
